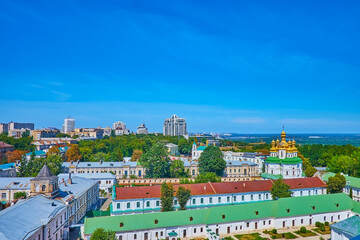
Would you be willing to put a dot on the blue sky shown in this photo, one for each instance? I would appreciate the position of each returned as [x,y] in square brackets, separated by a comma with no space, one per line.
[225,66]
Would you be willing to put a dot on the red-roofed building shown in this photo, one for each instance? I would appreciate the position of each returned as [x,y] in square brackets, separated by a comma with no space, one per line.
[129,200]
[4,148]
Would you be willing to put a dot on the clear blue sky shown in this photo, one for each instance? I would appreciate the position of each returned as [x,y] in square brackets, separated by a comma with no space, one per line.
[225,66]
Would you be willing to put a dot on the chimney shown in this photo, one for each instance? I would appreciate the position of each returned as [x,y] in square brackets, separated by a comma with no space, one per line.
[244,184]
[69,180]
[71,162]
[62,180]
[100,161]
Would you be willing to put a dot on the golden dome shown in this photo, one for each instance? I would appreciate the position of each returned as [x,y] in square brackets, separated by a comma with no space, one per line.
[283,134]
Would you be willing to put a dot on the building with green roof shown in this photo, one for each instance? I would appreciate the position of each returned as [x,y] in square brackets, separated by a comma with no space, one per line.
[282,213]
[351,183]
[283,160]
[346,229]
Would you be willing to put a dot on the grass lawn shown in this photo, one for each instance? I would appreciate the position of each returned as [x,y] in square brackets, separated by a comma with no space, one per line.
[228,238]
[252,236]
[327,230]
[307,234]
[287,235]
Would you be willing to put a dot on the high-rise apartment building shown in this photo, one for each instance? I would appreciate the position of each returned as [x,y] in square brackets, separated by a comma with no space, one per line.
[69,125]
[174,126]
[120,128]
[4,127]
[142,129]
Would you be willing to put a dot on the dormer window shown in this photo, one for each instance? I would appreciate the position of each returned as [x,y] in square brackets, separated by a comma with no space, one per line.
[313,207]
[256,212]
[288,210]
[121,224]
[223,216]
[191,218]
[156,221]
[337,205]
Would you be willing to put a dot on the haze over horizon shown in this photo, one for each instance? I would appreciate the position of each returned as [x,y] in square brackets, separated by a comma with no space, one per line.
[230,67]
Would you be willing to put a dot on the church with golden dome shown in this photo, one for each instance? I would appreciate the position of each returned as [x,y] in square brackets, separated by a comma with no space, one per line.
[283,160]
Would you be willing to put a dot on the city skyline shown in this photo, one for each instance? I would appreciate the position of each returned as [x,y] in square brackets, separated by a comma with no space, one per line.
[232,67]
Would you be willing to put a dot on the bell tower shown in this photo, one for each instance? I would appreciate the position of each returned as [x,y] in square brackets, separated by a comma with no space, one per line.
[44,183]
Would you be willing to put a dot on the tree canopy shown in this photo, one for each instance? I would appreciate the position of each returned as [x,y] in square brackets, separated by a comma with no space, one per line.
[183,195]
[280,190]
[207,177]
[156,161]
[211,160]
[101,234]
[336,183]
[167,197]
[177,169]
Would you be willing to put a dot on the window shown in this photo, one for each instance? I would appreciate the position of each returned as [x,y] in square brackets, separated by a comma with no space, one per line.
[242,197]
[234,198]
[193,172]
[252,197]
[128,205]
[201,200]
[194,230]
[121,224]
[156,221]
[201,229]
[175,202]
[210,200]
[247,224]
[191,218]
[157,203]
[228,199]
[339,217]
[219,199]
[139,173]
[43,188]
[147,203]
[138,204]
[302,221]
[118,206]
[223,216]
[259,196]
[3,195]
[194,201]
[135,236]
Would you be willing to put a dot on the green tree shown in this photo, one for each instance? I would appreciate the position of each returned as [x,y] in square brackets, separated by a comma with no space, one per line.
[101,234]
[53,150]
[136,155]
[351,193]
[18,195]
[177,169]
[62,135]
[211,160]
[54,163]
[183,195]
[280,190]
[167,197]
[310,171]
[207,177]
[184,146]
[336,183]
[156,161]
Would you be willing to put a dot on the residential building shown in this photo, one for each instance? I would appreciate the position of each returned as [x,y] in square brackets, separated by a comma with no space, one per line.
[120,128]
[142,129]
[107,131]
[17,133]
[351,183]
[36,218]
[174,126]
[120,169]
[173,149]
[253,157]
[346,229]
[44,133]
[222,220]
[47,143]
[69,125]
[106,180]
[16,125]
[4,148]
[283,160]
[95,133]
[37,154]
[4,127]
[11,185]
[8,170]
[147,198]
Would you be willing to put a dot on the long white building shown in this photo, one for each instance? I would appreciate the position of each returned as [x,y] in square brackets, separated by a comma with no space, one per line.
[143,199]
[239,218]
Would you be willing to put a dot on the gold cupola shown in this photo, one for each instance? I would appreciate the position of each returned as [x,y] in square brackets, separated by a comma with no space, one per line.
[273,148]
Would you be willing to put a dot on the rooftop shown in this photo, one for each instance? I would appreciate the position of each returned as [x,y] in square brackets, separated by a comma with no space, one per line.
[217,188]
[284,207]
[26,217]
[65,176]
[353,181]
[20,183]
[78,186]
[100,164]
[7,166]
[349,226]
[5,145]
[45,174]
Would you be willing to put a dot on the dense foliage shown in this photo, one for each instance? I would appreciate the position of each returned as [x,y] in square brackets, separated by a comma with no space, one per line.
[183,195]
[280,190]
[336,183]
[167,197]
[156,161]
[23,143]
[211,160]
[33,166]
[18,195]
[101,234]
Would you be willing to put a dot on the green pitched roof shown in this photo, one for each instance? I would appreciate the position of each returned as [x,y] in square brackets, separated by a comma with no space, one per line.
[270,176]
[201,148]
[293,160]
[353,181]
[297,205]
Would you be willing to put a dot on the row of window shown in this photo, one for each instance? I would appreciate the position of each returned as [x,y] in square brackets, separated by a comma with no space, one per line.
[196,200]
[126,173]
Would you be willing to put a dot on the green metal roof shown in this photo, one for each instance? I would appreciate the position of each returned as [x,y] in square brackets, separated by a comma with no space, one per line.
[297,205]
[353,181]
[202,148]
[270,176]
[293,160]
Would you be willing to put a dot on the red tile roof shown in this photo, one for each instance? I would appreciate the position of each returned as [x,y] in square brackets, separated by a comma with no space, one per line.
[217,188]
[5,145]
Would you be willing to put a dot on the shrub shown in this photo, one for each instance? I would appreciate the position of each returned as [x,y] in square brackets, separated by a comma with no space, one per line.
[322,227]
[303,230]
[318,224]
[326,223]
[274,231]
